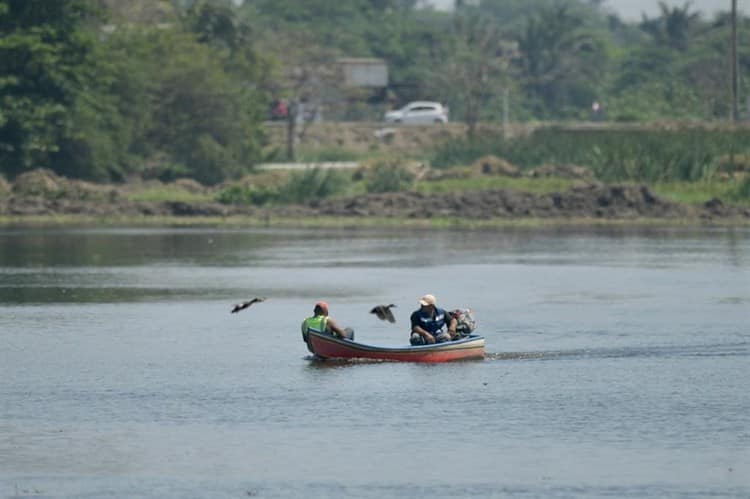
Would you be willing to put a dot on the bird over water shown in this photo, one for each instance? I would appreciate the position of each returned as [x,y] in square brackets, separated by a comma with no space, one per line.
[383,312]
[245,304]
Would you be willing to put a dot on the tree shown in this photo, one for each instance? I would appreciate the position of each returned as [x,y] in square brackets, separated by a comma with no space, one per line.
[216,22]
[673,27]
[47,56]
[411,43]
[203,124]
[475,65]
[307,77]
[560,63]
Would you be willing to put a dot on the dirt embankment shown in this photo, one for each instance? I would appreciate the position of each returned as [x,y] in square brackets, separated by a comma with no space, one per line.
[589,201]
[41,193]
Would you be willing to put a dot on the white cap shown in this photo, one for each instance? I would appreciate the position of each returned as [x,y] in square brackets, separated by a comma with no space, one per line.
[427,300]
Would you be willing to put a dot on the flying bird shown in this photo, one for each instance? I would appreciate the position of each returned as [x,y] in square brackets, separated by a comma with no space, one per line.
[384,312]
[245,304]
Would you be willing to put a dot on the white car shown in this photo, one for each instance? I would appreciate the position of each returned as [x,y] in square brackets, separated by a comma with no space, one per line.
[419,113]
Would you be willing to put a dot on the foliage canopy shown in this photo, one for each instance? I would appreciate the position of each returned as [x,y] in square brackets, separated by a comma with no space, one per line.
[109,89]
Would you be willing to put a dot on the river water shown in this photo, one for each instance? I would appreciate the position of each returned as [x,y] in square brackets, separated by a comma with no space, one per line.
[618,364]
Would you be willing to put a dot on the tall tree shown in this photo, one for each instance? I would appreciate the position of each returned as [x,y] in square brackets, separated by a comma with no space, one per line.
[217,22]
[203,120]
[475,63]
[561,63]
[47,56]
[673,27]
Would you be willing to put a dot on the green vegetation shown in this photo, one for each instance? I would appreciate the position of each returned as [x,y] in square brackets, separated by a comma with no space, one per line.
[299,187]
[169,192]
[389,176]
[700,192]
[640,155]
[313,183]
[439,223]
[741,192]
[113,90]
[251,195]
[96,98]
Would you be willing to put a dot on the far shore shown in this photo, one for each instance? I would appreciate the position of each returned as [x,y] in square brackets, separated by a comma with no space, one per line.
[439,223]
[40,198]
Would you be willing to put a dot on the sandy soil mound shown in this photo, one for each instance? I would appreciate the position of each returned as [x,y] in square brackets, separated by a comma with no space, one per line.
[45,183]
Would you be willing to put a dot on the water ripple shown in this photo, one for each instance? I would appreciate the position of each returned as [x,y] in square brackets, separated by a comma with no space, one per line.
[739,349]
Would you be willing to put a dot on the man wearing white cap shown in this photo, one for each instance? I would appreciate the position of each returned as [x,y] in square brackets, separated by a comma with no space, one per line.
[428,323]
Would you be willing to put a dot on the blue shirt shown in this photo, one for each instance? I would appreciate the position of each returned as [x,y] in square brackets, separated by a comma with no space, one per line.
[431,324]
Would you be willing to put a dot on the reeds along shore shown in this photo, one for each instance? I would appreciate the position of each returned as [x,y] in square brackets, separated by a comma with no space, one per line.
[692,165]
[642,154]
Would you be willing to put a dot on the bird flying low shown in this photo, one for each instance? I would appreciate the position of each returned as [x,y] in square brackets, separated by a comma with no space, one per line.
[383,312]
[245,304]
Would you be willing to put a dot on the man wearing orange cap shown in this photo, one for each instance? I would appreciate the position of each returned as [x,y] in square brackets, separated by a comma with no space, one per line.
[428,322]
[321,323]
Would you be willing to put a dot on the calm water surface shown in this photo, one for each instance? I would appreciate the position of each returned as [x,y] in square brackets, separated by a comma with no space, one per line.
[618,364]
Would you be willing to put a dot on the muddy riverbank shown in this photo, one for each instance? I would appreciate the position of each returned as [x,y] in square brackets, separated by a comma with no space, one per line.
[619,202]
[45,195]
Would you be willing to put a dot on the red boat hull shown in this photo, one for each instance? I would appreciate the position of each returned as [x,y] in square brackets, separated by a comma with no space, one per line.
[329,347]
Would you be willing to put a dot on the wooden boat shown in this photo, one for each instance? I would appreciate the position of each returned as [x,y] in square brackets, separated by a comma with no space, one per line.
[330,347]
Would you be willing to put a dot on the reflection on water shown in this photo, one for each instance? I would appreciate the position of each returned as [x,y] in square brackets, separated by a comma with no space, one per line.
[55,294]
[616,364]
[263,247]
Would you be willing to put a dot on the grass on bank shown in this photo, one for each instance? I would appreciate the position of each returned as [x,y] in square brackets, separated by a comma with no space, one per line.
[730,191]
[678,191]
[699,192]
[385,176]
[438,223]
[167,193]
[635,155]
[396,175]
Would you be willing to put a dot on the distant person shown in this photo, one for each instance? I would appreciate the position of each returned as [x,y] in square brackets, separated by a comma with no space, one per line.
[429,322]
[281,110]
[597,111]
[278,110]
[321,323]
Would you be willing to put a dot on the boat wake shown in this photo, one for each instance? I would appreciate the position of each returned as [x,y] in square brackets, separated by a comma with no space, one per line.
[738,349]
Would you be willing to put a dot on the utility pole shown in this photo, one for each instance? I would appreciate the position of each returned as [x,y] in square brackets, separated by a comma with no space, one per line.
[506,120]
[735,97]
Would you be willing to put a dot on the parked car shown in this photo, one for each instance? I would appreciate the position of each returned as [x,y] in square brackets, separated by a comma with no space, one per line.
[419,113]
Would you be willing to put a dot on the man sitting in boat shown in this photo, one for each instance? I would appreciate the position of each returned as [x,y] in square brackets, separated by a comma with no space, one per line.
[428,323]
[321,323]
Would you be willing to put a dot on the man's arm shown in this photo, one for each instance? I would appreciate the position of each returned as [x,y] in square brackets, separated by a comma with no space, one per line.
[423,333]
[417,329]
[452,324]
[335,329]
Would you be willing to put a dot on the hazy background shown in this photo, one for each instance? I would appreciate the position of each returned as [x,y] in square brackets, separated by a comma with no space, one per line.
[632,9]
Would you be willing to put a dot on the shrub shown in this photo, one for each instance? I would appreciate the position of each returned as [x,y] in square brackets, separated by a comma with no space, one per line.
[300,187]
[239,194]
[389,176]
[313,183]
[742,191]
